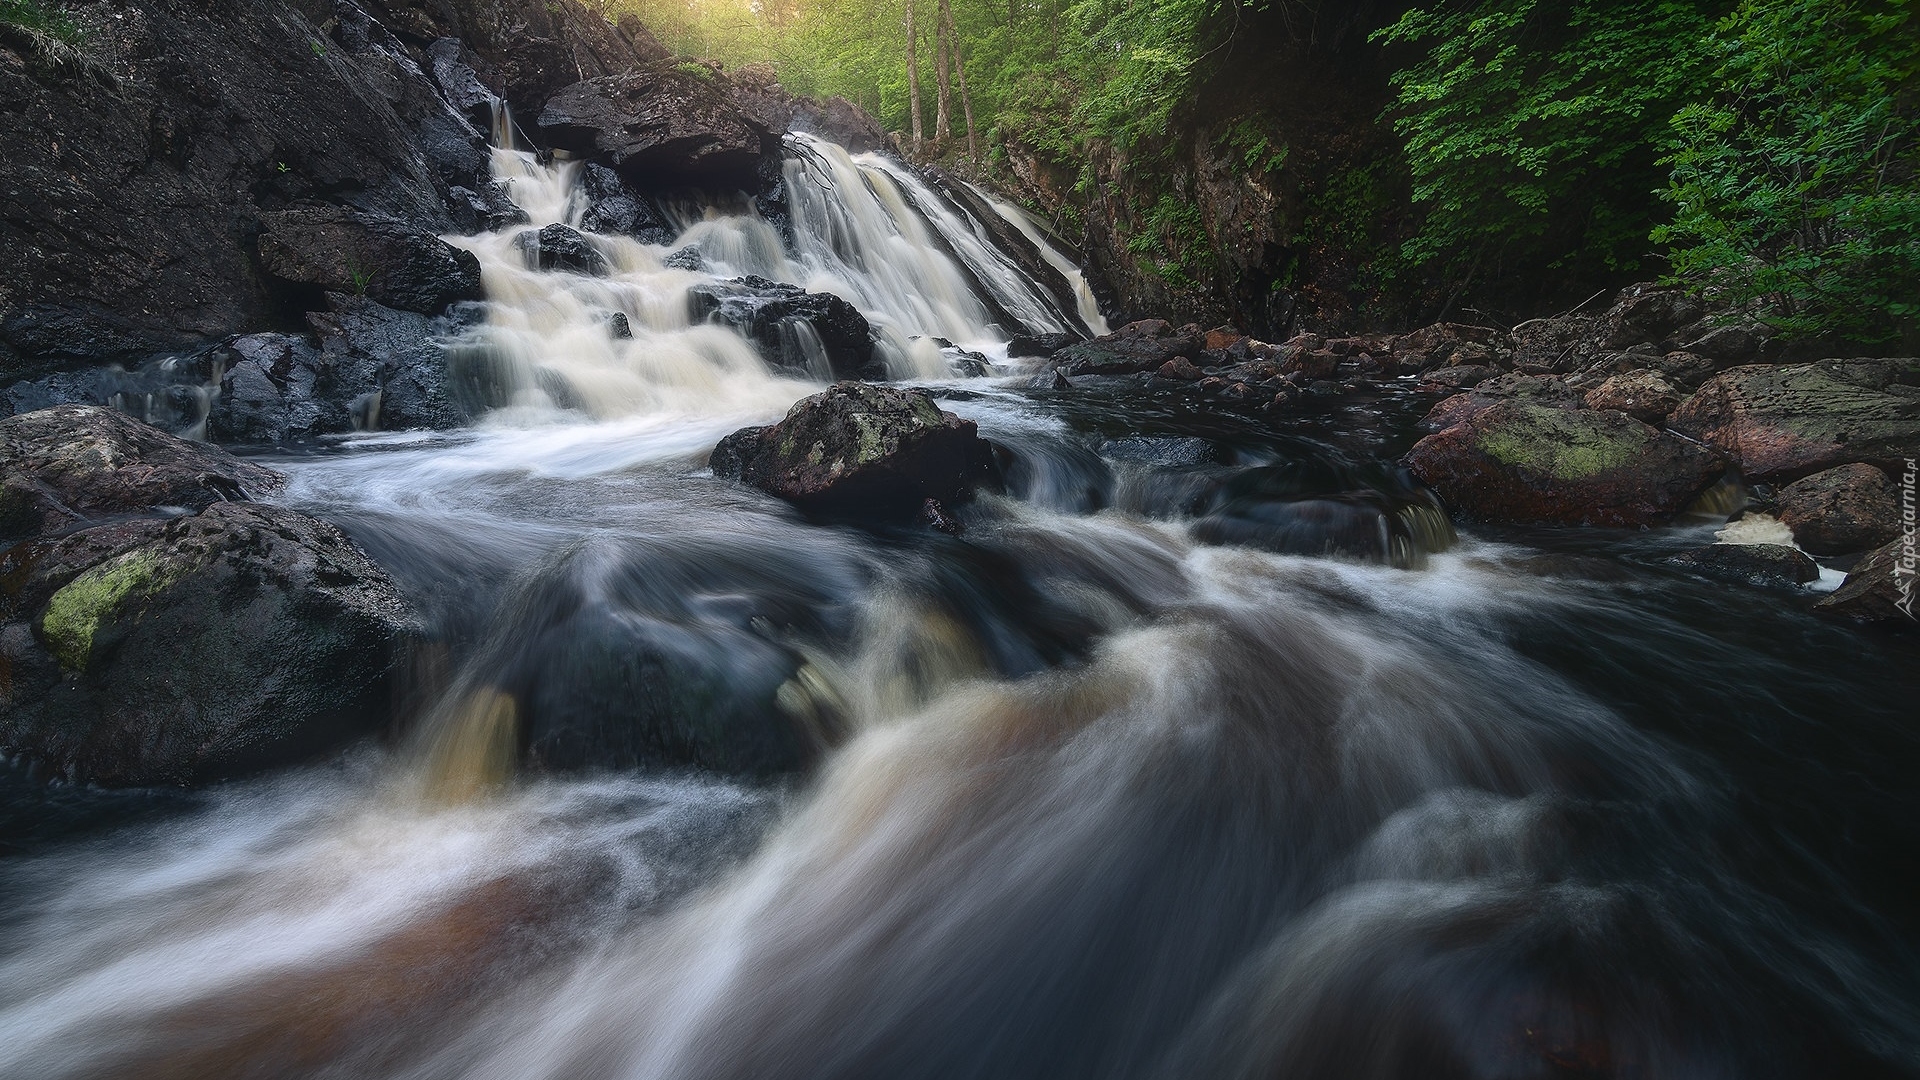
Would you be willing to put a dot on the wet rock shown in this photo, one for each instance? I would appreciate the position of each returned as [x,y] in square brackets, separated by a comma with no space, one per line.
[1040,344]
[1298,509]
[618,327]
[77,465]
[1643,395]
[614,206]
[687,258]
[557,247]
[1136,347]
[1526,463]
[1457,378]
[938,519]
[1181,369]
[1781,423]
[1881,588]
[1159,451]
[818,334]
[1842,510]
[1764,566]
[862,451]
[385,370]
[239,638]
[383,258]
[661,121]
[1536,389]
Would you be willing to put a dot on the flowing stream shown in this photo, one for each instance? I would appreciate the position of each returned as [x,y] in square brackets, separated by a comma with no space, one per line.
[1098,789]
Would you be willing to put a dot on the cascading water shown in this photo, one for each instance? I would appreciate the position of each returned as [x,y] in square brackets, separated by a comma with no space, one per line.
[1097,791]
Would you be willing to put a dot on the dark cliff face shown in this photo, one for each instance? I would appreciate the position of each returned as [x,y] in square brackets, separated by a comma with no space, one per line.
[142,161]
[1274,202]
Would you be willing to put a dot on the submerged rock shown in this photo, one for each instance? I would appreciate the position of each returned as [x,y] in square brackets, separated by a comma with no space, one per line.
[164,631]
[1525,463]
[342,250]
[1842,510]
[1766,566]
[1298,509]
[862,451]
[1881,588]
[1785,422]
[815,333]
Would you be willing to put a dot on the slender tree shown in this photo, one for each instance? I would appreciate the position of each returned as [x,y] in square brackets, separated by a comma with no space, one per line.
[960,71]
[913,75]
[943,71]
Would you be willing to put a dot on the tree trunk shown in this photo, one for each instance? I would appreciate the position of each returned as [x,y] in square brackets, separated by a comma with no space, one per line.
[913,75]
[942,70]
[960,70]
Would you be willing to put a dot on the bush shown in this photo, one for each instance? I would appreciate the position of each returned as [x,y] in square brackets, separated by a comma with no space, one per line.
[49,20]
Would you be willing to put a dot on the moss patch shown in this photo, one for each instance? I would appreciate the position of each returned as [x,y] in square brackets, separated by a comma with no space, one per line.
[74,613]
[1560,446]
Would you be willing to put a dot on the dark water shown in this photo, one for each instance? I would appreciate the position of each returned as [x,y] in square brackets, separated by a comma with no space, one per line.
[1100,798]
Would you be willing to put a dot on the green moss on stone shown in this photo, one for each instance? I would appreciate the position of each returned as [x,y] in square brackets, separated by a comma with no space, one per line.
[75,613]
[1557,443]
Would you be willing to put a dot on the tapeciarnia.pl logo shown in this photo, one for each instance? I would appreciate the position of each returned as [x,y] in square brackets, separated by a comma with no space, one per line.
[1903,567]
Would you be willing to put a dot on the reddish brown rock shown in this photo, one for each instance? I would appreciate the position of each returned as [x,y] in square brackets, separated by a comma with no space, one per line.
[1538,390]
[1643,395]
[1526,463]
[1179,368]
[1781,423]
[1222,338]
[1842,510]
[1882,588]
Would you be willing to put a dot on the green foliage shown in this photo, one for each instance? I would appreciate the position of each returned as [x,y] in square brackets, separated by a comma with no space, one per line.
[1534,130]
[1174,239]
[34,16]
[1246,139]
[698,71]
[1794,182]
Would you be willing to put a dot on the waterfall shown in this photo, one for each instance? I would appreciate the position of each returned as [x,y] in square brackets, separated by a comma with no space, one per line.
[864,229]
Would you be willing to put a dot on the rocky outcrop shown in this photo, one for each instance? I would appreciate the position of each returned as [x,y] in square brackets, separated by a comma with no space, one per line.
[817,334]
[860,450]
[1785,422]
[1842,510]
[1881,588]
[667,122]
[136,182]
[156,628]
[339,249]
[557,247]
[1764,566]
[1525,463]
[1135,347]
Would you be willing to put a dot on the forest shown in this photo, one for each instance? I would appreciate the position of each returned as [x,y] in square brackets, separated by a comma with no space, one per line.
[1762,147]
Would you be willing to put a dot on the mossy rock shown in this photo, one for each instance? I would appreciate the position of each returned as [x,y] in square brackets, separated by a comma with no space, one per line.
[1524,463]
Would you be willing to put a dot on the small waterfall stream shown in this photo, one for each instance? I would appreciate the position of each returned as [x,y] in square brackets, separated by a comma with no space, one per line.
[1086,793]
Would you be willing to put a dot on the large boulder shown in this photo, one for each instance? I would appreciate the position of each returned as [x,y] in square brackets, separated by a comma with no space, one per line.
[1134,348]
[1485,394]
[1782,423]
[78,465]
[860,450]
[169,632]
[818,334]
[1881,587]
[1842,510]
[675,122]
[342,250]
[1525,463]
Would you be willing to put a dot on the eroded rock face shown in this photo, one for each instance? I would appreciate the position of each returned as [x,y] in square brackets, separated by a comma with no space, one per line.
[159,629]
[1782,423]
[338,249]
[862,451]
[778,318]
[661,121]
[1525,463]
[76,465]
[1842,510]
